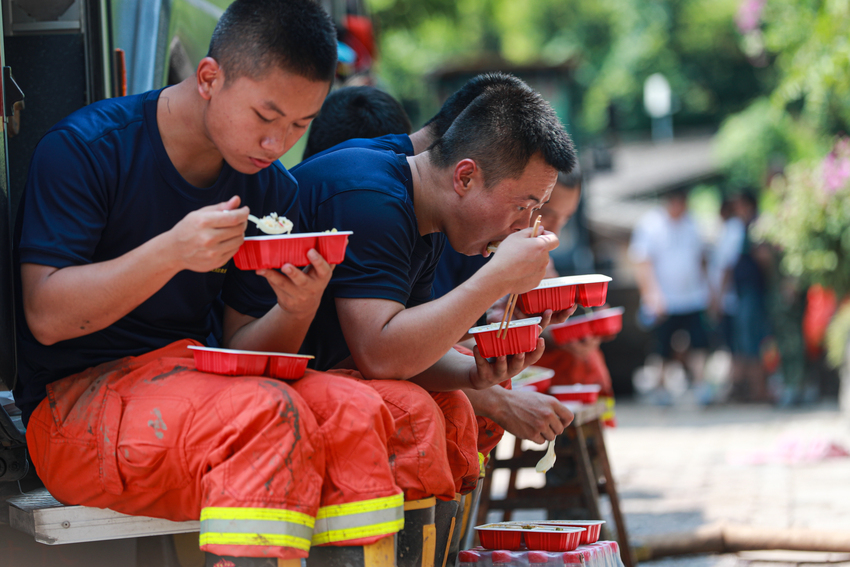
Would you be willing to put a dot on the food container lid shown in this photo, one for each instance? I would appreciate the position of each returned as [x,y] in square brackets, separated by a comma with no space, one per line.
[575,388]
[252,352]
[528,526]
[298,235]
[495,326]
[532,375]
[572,280]
[574,522]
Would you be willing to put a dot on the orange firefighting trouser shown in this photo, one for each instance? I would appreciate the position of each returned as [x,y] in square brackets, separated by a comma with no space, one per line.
[361,502]
[152,436]
[433,448]
[489,432]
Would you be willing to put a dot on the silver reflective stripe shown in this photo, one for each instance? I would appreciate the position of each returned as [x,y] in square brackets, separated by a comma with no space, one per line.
[353,521]
[275,527]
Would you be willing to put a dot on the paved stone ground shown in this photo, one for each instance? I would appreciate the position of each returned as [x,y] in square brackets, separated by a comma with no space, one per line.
[680,468]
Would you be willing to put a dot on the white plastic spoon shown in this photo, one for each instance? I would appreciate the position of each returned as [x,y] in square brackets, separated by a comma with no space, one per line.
[270,226]
[548,460]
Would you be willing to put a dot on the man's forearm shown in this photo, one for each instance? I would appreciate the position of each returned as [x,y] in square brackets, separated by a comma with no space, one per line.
[414,339]
[451,372]
[276,331]
[79,300]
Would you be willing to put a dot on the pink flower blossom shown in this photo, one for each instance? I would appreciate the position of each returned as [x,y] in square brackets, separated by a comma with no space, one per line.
[836,166]
[749,15]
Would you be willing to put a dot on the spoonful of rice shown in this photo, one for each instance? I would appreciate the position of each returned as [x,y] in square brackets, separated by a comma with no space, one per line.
[272,224]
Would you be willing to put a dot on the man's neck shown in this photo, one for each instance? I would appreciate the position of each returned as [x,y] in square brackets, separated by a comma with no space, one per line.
[180,119]
[426,194]
[421,140]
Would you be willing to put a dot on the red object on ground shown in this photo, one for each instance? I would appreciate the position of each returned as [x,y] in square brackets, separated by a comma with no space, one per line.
[584,393]
[556,539]
[521,337]
[273,251]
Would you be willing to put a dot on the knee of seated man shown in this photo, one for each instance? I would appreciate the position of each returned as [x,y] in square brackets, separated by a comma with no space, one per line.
[338,396]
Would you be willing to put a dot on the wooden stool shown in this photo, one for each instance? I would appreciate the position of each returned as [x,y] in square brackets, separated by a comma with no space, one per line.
[585,447]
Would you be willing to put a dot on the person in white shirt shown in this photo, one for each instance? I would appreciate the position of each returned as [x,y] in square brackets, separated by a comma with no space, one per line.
[670,268]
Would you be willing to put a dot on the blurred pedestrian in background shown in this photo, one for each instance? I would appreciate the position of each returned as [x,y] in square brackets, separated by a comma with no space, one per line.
[751,325]
[671,271]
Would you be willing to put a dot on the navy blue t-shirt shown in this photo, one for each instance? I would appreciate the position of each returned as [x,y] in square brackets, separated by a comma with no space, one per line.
[371,194]
[398,143]
[101,184]
[454,269]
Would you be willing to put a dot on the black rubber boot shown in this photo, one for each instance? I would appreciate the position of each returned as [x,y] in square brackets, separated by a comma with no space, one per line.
[454,544]
[445,518]
[417,541]
[382,553]
[227,561]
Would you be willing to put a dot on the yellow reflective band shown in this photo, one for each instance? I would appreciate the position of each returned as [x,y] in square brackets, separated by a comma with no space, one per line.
[482,459]
[361,506]
[347,534]
[276,514]
[265,540]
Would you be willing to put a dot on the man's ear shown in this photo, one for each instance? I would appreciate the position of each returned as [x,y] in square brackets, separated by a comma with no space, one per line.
[209,75]
[466,175]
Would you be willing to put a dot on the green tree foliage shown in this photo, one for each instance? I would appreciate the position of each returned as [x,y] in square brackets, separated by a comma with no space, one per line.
[613,44]
[809,46]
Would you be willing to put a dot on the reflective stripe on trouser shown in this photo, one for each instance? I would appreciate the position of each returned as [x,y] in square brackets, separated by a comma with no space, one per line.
[152,436]
[255,526]
[361,502]
[359,521]
[417,445]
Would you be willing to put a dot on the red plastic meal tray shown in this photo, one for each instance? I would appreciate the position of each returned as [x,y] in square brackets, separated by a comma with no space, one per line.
[273,251]
[521,337]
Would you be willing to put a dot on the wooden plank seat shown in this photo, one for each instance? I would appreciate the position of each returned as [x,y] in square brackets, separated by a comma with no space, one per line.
[49,521]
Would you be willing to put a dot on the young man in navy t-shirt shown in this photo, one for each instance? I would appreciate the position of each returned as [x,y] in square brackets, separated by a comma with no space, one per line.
[132,212]
[478,184]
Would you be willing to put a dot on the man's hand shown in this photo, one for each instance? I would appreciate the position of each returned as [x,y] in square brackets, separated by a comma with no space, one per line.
[300,292]
[207,238]
[550,317]
[521,260]
[486,374]
[533,416]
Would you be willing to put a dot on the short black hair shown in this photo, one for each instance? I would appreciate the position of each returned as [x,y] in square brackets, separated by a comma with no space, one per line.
[296,35]
[571,179]
[461,98]
[502,129]
[355,112]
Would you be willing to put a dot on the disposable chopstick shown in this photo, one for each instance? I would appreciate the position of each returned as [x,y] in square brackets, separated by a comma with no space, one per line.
[509,308]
